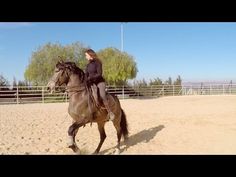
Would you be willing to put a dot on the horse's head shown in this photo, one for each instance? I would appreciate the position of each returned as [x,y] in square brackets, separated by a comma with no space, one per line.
[61,75]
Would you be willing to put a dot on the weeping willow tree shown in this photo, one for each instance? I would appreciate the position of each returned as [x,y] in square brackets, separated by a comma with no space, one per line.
[118,66]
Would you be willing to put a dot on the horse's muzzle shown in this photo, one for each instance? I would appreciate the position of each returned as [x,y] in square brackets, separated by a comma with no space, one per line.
[50,87]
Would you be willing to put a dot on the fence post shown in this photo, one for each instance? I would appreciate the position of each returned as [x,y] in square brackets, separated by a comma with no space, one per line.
[138,91]
[163,92]
[173,90]
[223,89]
[151,90]
[210,89]
[123,92]
[17,95]
[42,95]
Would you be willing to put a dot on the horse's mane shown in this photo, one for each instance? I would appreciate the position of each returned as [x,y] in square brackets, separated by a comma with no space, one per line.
[73,68]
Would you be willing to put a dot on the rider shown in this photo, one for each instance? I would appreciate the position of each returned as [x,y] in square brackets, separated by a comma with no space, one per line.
[94,76]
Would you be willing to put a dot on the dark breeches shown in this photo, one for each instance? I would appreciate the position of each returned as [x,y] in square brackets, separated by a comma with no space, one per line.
[102,90]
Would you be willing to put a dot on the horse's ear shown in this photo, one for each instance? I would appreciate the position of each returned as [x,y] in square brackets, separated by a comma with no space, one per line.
[74,65]
[59,64]
[60,60]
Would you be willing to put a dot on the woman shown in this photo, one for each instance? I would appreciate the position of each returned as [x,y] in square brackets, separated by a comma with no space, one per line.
[94,76]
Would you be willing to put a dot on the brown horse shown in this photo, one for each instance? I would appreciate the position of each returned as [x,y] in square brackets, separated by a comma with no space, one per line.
[82,109]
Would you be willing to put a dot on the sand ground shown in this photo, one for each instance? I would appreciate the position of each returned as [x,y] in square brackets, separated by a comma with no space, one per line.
[168,125]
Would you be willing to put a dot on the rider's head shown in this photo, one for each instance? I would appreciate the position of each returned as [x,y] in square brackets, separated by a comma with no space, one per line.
[90,54]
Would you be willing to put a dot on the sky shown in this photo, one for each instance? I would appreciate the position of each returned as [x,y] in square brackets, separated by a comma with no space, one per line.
[198,52]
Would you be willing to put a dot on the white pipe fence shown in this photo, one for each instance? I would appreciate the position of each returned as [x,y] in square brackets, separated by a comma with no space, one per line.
[39,94]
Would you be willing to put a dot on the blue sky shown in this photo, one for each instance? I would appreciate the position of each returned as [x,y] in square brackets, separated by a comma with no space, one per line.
[195,51]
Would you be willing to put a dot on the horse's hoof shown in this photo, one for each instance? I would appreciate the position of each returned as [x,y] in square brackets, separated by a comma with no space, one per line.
[78,152]
[117,151]
[95,153]
[75,149]
[70,141]
[126,138]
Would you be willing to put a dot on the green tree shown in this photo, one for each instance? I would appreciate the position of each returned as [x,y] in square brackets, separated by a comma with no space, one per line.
[157,81]
[178,85]
[169,81]
[3,81]
[23,83]
[14,82]
[140,83]
[118,66]
[178,81]
[44,59]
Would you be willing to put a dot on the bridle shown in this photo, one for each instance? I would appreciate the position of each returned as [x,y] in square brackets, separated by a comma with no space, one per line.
[73,89]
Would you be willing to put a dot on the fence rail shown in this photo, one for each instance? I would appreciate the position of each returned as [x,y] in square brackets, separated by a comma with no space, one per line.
[39,94]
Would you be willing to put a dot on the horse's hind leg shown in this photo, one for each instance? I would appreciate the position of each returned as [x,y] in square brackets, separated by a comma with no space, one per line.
[118,130]
[102,136]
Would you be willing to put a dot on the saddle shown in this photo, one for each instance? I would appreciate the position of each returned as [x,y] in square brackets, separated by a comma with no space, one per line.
[94,93]
[95,101]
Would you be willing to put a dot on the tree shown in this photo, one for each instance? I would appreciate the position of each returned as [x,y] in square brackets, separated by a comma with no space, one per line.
[14,82]
[44,59]
[118,66]
[178,85]
[3,81]
[156,81]
[23,83]
[140,83]
[169,81]
[178,81]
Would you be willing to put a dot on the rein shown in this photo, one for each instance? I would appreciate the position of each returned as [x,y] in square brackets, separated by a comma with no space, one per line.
[75,89]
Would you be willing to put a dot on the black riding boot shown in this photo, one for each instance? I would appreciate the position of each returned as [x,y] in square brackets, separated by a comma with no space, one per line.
[111,115]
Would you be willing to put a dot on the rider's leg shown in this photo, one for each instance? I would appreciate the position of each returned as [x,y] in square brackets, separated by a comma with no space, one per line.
[102,87]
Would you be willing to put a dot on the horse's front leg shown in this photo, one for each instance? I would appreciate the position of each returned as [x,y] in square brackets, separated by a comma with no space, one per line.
[72,131]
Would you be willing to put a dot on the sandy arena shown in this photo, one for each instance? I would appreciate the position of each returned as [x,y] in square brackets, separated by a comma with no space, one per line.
[168,125]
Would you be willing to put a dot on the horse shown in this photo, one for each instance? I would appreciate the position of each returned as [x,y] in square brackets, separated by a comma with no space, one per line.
[82,109]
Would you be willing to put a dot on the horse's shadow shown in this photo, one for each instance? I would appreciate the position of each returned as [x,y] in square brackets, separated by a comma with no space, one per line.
[142,136]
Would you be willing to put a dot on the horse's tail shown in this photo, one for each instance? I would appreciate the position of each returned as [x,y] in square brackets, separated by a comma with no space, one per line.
[124,125]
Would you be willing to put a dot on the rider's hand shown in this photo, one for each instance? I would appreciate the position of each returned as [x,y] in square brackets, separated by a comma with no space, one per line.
[89,81]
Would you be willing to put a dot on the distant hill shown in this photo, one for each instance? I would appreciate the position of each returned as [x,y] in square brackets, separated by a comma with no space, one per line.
[189,83]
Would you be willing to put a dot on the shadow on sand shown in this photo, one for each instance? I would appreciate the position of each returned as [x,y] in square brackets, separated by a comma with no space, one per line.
[142,136]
